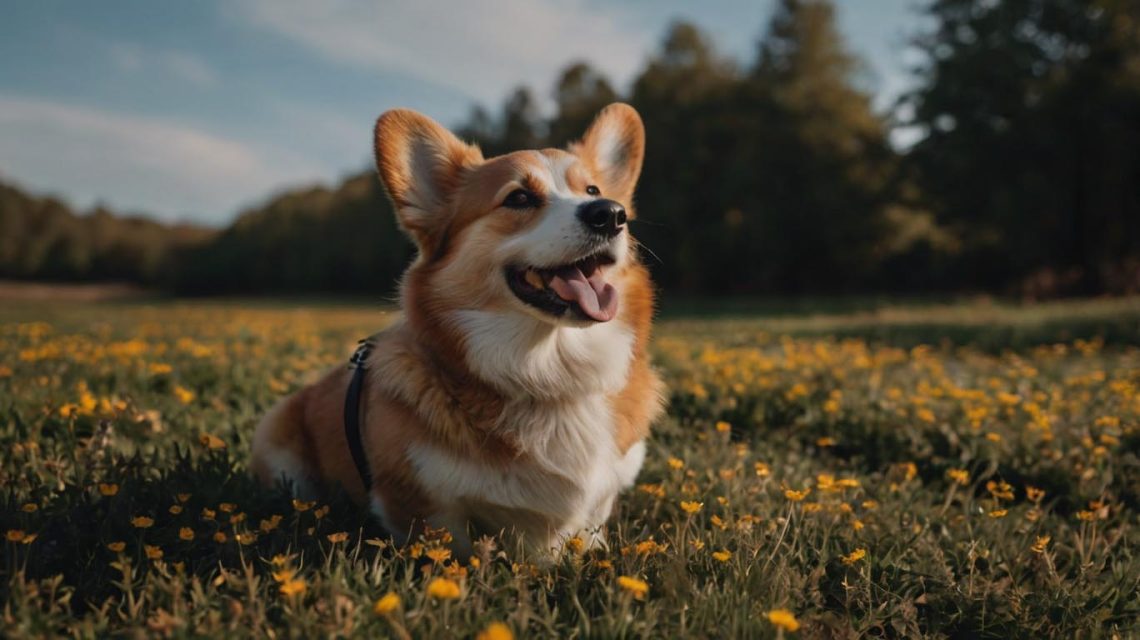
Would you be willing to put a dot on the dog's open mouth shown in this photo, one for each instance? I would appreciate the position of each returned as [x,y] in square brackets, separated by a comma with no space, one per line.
[579,288]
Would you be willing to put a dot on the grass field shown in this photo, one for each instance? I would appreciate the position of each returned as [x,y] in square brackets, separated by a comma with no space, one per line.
[964,470]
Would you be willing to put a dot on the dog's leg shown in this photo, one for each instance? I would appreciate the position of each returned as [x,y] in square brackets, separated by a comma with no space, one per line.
[277,455]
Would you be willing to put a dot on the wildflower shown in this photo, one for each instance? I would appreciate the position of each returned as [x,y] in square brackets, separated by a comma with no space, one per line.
[108,489]
[220,537]
[691,507]
[293,587]
[1034,494]
[443,589]
[575,544]
[961,476]
[762,470]
[857,525]
[30,507]
[854,556]
[784,619]
[1000,490]
[117,546]
[438,555]
[387,603]
[604,564]
[321,512]
[723,427]
[211,442]
[227,507]
[340,537]
[676,463]
[723,555]
[826,441]
[142,522]
[1086,515]
[284,575]
[265,526]
[186,533]
[15,535]
[182,497]
[656,490]
[998,513]
[153,552]
[184,395]
[797,496]
[208,514]
[496,631]
[697,544]
[245,538]
[718,523]
[639,588]
[175,509]
[300,506]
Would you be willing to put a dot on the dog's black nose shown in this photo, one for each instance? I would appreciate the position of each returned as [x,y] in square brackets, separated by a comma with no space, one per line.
[603,216]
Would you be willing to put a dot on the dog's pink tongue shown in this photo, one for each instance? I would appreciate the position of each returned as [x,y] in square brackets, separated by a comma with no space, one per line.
[596,297]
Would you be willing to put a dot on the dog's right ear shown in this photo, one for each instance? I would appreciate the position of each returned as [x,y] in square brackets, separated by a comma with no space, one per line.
[421,164]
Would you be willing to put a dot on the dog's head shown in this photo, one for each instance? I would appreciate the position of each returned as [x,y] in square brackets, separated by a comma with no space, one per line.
[542,233]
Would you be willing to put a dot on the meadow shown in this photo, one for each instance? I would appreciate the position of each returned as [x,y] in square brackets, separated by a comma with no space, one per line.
[930,470]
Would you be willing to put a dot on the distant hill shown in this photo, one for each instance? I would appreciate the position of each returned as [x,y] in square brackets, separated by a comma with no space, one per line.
[42,238]
[337,240]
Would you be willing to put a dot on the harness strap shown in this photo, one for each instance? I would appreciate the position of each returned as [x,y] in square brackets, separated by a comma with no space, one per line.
[352,413]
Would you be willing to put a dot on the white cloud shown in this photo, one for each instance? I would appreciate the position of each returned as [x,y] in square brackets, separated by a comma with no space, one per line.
[481,48]
[135,163]
[132,58]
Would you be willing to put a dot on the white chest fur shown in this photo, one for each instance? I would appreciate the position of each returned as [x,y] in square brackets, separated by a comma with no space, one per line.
[557,381]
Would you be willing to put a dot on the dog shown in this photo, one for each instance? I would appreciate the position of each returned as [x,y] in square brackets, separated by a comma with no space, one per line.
[516,392]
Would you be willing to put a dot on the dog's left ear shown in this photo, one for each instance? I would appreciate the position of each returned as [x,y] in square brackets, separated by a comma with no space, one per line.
[614,146]
[421,164]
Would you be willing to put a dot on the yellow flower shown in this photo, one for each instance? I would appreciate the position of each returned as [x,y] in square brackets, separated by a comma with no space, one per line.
[30,507]
[826,441]
[723,555]
[322,512]
[854,556]
[575,544]
[284,575]
[340,537]
[961,476]
[175,509]
[15,535]
[220,537]
[186,533]
[227,507]
[496,631]
[293,587]
[303,506]
[184,395]
[142,522]
[676,463]
[443,589]
[762,470]
[153,552]
[1086,515]
[691,507]
[639,588]
[269,525]
[998,513]
[784,619]
[211,442]
[796,496]
[245,538]
[387,603]
[1034,494]
[1040,544]
[723,427]
[117,547]
[182,497]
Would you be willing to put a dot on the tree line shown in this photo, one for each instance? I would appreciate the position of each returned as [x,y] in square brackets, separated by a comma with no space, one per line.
[776,174]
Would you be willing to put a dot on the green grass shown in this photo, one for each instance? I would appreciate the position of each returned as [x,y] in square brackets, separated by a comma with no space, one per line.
[828,465]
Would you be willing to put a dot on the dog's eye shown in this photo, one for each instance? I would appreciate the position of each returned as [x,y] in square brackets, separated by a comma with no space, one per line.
[593,191]
[521,199]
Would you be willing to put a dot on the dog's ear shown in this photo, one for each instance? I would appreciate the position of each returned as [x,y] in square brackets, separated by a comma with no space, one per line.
[421,164]
[614,146]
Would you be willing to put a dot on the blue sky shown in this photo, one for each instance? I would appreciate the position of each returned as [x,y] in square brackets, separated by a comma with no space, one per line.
[194,110]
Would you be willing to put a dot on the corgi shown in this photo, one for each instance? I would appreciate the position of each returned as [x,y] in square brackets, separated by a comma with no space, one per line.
[515,394]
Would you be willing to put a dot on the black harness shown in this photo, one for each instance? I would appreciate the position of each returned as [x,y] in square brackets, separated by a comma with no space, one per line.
[352,412]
